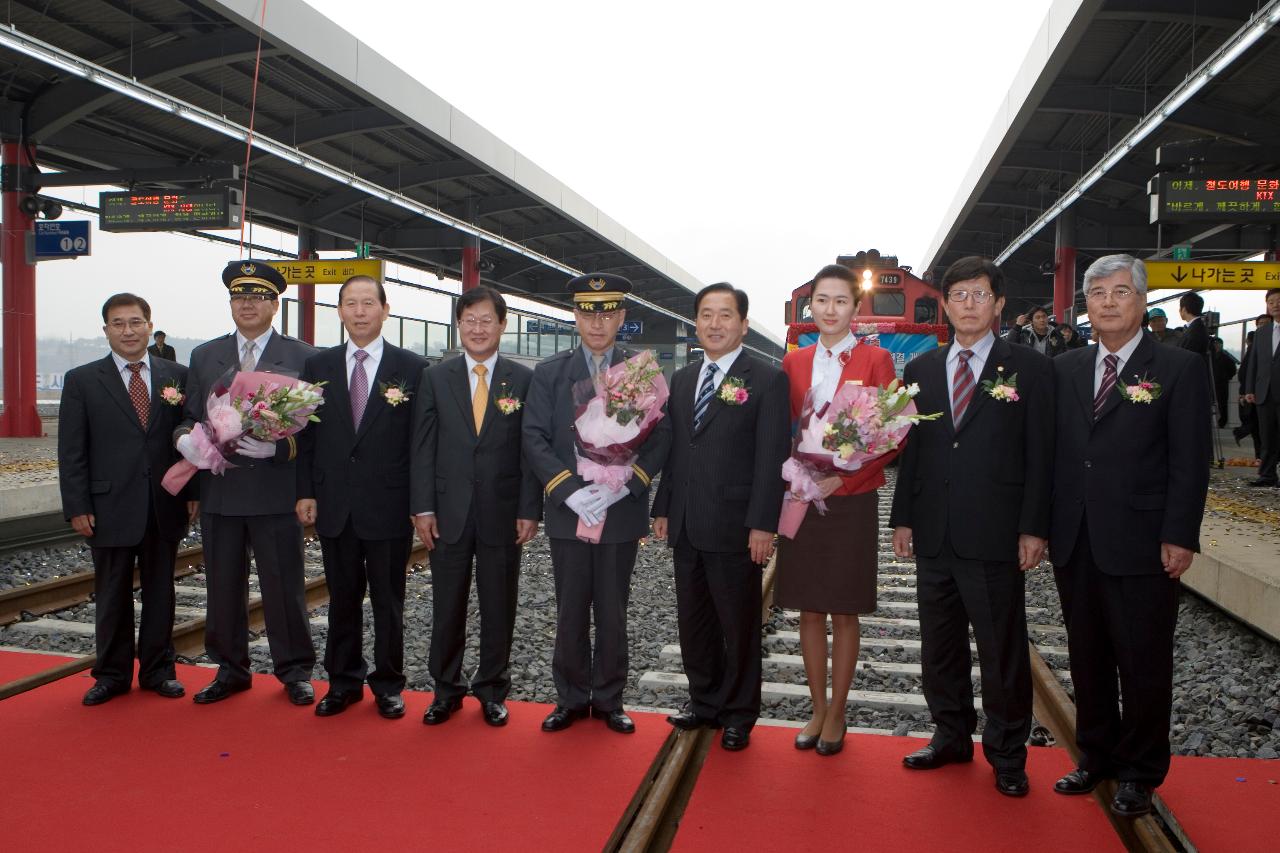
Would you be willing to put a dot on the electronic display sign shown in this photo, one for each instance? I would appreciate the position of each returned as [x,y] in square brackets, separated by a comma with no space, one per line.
[170,210]
[1216,198]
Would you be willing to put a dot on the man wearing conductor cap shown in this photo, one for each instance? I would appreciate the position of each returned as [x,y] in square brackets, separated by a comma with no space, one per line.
[589,576]
[250,507]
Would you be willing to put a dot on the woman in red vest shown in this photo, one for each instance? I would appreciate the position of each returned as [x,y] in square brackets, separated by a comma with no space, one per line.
[830,565]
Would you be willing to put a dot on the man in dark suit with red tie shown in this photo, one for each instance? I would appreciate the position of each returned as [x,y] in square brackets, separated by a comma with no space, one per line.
[972,506]
[473,499]
[1130,479]
[114,426]
[353,485]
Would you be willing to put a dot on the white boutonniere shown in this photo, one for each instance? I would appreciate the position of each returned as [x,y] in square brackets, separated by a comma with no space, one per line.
[393,393]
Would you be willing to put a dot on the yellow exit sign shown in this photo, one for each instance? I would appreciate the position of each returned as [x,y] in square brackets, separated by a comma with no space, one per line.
[1212,275]
[328,272]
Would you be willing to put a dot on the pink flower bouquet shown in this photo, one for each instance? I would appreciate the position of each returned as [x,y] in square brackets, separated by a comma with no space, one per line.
[860,425]
[615,414]
[268,406]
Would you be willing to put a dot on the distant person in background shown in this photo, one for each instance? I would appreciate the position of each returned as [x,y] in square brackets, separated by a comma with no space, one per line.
[162,350]
[1159,325]
[114,446]
[1037,334]
[1263,390]
[1248,411]
[1223,365]
[1195,335]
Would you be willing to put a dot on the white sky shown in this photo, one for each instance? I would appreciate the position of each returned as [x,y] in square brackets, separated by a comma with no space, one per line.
[744,145]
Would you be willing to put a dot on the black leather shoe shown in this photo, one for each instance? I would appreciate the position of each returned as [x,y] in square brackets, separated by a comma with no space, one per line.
[1078,781]
[216,691]
[804,741]
[100,692]
[337,701]
[1132,799]
[300,692]
[735,739]
[561,718]
[931,758]
[495,713]
[440,711]
[390,707]
[689,721]
[830,747]
[617,721]
[1012,783]
[1263,482]
[170,688]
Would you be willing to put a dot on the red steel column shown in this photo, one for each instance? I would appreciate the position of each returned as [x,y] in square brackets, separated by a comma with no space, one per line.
[470,252]
[1064,268]
[20,419]
[307,292]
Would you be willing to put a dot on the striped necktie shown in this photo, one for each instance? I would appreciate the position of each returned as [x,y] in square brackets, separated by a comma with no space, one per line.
[964,385]
[359,388]
[705,392]
[1109,377]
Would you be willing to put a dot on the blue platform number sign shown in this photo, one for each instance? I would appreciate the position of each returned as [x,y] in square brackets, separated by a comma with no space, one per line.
[631,327]
[69,239]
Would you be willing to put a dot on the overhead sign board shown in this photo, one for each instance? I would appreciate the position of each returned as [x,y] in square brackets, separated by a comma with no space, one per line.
[1212,275]
[631,327]
[61,239]
[1216,198]
[170,210]
[328,271]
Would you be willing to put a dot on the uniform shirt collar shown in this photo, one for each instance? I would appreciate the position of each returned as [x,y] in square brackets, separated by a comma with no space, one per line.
[848,342]
[260,341]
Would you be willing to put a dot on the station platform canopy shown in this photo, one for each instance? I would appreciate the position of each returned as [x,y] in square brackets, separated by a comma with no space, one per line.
[346,145]
[1113,97]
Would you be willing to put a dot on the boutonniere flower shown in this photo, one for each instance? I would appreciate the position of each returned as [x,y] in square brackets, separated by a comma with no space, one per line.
[393,392]
[1144,390]
[172,394]
[1002,388]
[507,402]
[733,391]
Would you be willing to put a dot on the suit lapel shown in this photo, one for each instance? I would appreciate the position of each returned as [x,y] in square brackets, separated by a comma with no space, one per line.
[337,394]
[997,363]
[1130,372]
[114,383]
[160,375]
[501,377]
[938,379]
[741,369]
[461,385]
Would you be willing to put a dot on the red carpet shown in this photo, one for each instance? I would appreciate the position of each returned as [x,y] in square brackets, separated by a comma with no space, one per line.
[15,665]
[1227,804]
[772,797]
[256,773]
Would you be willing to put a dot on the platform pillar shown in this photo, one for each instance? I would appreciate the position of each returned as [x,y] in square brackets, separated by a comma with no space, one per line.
[1064,267]
[307,292]
[20,419]
[470,252]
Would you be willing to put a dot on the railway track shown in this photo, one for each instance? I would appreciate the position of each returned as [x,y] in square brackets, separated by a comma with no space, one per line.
[35,531]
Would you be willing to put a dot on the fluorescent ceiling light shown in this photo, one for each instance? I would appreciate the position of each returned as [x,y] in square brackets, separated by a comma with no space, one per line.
[1144,130]
[220,125]
[323,169]
[1116,158]
[1246,42]
[269,147]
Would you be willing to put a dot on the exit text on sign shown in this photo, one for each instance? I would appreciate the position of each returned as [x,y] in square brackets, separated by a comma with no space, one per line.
[328,272]
[1212,275]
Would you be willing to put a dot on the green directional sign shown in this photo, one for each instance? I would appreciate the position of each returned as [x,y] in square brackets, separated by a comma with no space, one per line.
[1182,253]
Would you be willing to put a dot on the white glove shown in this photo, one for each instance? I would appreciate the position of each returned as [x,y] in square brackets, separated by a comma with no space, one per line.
[611,497]
[255,448]
[187,448]
[589,503]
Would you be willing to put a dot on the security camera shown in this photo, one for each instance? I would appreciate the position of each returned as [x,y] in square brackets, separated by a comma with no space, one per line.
[484,265]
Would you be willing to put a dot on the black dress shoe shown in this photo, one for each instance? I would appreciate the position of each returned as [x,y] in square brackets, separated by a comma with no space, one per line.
[391,707]
[100,692]
[216,691]
[495,713]
[440,710]
[830,747]
[1012,783]
[170,688]
[337,701]
[1132,799]
[1263,482]
[735,739]
[617,720]
[1078,781]
[804,741]
[931,758]
[561,718]
[300,692]
[688,721]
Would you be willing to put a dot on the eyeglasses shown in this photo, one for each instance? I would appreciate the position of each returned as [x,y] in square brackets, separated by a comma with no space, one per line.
[132,325]
[479,322]
[979,297]
[592,316]
[1119,294]
[251,298]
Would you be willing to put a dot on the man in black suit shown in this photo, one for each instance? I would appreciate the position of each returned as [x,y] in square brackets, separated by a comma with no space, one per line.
[353,485]
[252,505]
[162,350]
[589,577]
[1195,335]
[114,427]
[717,505]
[1262,389]
[972,506]
[1130,480]
[473,498]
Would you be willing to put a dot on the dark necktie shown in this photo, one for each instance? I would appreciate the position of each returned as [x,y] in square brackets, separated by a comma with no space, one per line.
[963,391]
[705,393]
[1108,382]
[138,394]
[359,388]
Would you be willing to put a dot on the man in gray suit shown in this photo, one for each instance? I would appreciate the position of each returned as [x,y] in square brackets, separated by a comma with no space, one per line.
[589,576]
[1262,388]
[251,506]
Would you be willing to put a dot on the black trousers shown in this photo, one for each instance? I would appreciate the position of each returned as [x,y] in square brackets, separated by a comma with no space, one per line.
[591,580]
[1269,432]
[276,541]
[497,574]
[352,565]
[1120,624]
[718,602]
[954,593]
[113,611]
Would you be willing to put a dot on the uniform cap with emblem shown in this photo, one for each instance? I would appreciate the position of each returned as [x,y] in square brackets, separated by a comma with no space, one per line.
[599,291]
[253,278]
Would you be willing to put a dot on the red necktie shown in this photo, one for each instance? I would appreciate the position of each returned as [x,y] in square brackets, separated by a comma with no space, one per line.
[963,392]
[138,393]
[1108,382]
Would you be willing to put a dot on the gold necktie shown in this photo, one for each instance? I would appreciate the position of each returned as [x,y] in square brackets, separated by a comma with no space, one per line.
[479,400]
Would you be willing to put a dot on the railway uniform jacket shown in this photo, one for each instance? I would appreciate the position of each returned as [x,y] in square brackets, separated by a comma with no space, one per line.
[548,433]
[982,485]
[108,465]
[725,480]
[253,486]
[1138,475]
[455,471]
[360,474]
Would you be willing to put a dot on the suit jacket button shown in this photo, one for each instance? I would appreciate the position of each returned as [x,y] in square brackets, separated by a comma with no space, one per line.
[1088,464]
[353,459]
[954,446]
